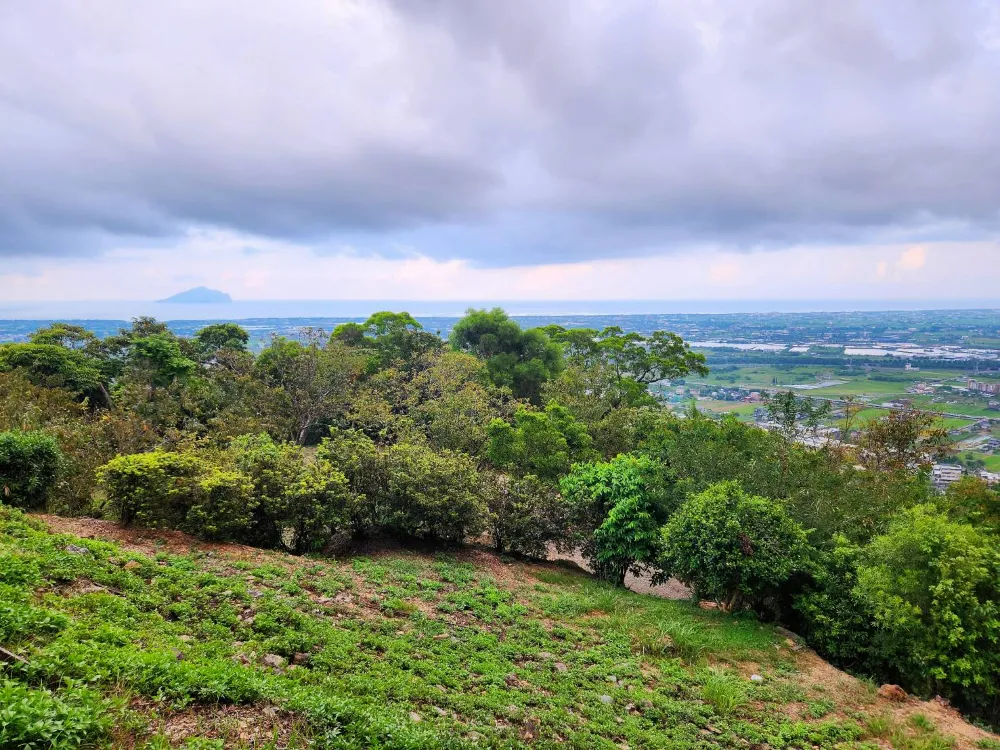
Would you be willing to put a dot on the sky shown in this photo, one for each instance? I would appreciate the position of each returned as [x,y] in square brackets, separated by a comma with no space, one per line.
[472,149]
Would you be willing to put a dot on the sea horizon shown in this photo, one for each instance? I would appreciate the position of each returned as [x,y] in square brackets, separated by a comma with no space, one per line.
[290,309]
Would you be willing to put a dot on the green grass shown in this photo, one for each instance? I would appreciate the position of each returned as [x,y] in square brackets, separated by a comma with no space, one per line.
[399,650]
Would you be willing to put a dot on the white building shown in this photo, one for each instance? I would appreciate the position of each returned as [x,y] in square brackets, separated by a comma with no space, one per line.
[945,475]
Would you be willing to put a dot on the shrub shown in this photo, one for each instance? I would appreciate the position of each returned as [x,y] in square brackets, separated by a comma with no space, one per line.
[222,505]
[525,514]
[30,464]
[151,489]
[298,504]
[830,614]
[934,587]
[617,509]
[433,495]
[732,547]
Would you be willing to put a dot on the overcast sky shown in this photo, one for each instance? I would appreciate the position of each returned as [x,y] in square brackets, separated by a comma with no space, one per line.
[461,149]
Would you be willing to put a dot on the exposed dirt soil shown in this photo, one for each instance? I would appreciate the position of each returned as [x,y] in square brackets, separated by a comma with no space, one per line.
[672,589]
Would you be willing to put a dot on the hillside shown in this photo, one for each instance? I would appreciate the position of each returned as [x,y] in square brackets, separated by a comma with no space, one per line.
[126,638]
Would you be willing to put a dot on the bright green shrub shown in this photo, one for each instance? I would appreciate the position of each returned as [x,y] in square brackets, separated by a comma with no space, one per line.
[298,504]
[542,443]
[732,547]
[617,509]
[30,464]
[153,489]
[222,505]
[934,588]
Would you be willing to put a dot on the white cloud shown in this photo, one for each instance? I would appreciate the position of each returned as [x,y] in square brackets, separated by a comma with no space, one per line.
[912,259]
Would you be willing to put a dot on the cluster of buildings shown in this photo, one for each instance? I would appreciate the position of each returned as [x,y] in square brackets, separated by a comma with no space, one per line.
[978,386]
[945,475]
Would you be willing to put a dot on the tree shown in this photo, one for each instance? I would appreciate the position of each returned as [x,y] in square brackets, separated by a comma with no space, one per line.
[390,338]
[520,360]
[662,356]
[617,509]
[903,440]
[64,335]
[934,587]
[54,366]
[30,464]
[731,547]
[542,443]
[313,382]
[211,339]
[787,410]
[158,360]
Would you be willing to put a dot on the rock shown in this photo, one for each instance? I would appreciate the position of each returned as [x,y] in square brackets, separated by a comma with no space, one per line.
[892,693]
[607,700]
[415,717]
[273,660]
[185,638]
[756,678]
[439,711]
[707,605]
[132,565]
[256,593]
[301,658]
[179,655]
[75,549]
[511,680]
[560,667]
[546,655]
[613,679]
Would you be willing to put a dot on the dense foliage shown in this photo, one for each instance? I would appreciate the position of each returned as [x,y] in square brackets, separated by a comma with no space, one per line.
[537,439]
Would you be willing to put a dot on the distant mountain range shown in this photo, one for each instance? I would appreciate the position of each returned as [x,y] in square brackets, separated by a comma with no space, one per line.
[200,295]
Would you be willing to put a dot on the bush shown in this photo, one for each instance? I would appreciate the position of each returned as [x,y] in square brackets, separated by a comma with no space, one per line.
[934,588]
[734,548]
[153,489]
[526,514]
[833,618]
[408,489]
[617,508]
[30,464]
[299,505]
[222,505]
[432,495]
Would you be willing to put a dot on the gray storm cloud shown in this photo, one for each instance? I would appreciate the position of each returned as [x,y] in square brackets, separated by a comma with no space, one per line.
[505,133]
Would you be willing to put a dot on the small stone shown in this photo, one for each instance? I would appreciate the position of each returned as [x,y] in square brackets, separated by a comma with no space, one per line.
[301,658]
[415,717]
[756,678]
[613,679]
[511,680]
[256,593]
[439,711]
[185,638]
[607,700]
[75,549]
[560,667]
[273,660]
[132,565]
[892,693]
[179,655]
[545,655]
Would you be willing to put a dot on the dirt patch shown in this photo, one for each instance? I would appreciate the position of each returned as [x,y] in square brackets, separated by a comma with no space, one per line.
[672,589]
[815,671]
[147,541]
[236,726]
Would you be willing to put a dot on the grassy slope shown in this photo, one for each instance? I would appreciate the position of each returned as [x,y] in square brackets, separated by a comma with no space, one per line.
[160,642]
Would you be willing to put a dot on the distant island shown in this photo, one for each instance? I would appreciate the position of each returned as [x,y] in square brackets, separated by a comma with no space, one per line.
[200,295]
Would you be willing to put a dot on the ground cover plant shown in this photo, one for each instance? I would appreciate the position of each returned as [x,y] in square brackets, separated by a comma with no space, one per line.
[153,645]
